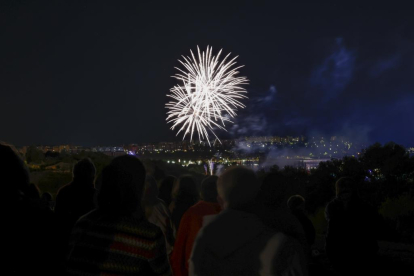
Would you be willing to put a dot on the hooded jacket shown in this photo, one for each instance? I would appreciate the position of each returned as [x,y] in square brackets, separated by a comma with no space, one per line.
[238,243]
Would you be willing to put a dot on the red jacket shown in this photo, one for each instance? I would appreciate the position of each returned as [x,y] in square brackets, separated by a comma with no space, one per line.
[190,224]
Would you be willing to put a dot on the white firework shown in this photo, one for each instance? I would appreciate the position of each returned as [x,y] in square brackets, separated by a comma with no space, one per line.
[207,96]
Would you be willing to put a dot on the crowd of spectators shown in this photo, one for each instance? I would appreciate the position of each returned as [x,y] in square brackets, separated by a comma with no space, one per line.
[125,222]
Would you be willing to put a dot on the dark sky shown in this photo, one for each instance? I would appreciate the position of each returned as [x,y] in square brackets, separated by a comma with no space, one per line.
[97,72]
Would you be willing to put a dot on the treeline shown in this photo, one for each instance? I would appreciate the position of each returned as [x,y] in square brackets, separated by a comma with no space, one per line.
[385,177]
[384,173]
[381,171]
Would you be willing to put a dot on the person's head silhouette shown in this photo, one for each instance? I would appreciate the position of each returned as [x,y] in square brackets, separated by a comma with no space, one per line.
[123,182]
[13,172]
[84,171]
[237,187]
[209,189]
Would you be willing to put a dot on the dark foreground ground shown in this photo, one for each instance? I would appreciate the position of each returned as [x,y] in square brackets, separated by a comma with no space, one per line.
[393,259]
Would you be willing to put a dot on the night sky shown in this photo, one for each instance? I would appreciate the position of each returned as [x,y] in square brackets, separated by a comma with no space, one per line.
[97,72]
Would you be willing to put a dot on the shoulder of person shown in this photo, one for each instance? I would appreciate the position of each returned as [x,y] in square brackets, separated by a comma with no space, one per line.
[281,255]
[64,189]
[88,218]
[332,208]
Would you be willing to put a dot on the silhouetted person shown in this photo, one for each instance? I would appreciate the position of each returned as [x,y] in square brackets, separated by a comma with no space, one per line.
[33,191]
[236,242]
[191,223]
[157,212]
[47,198]
[351,243]
[165,189]
[184,195]
[116,239]
[75,200]
[296,205]
[28,227]
[276,215]
[158,174]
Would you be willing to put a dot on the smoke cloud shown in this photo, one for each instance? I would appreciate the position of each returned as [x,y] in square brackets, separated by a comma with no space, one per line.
[345,95]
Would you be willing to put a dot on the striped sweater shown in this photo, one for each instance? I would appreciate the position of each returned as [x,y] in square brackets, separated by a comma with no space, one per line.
[105,245]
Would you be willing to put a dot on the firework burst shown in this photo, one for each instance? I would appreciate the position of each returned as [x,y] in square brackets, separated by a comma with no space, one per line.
[207,96]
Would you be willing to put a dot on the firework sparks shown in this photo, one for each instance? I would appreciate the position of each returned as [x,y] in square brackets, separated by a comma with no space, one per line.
[207,96]
[211,166]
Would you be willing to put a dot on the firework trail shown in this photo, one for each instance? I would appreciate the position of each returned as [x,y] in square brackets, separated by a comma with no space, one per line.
[207,96]
[211,167]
